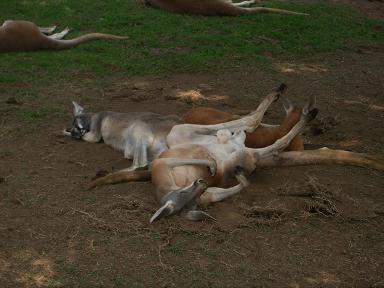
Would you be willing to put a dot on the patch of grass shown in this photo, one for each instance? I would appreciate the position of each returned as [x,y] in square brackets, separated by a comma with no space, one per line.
[50,282]
[177,248]
[67,267]
[120,281]
[29,114]
[135,285]
[35,116]
[162,42]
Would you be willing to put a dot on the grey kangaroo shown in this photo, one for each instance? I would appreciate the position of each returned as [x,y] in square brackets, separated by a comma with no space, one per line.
[140,135]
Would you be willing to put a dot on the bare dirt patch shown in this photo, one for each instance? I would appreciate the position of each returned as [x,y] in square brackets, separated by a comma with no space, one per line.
[327,233]
[371,8]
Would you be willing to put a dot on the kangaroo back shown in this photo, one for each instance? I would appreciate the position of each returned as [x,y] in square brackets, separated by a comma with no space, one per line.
[17,36]
[213,7]
[200,7]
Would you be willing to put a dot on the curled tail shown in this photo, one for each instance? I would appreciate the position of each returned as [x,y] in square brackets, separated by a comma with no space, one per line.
[120,177]
[65,44]
[322,156]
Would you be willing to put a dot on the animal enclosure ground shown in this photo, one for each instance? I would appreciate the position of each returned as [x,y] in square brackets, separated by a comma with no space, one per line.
[316,226]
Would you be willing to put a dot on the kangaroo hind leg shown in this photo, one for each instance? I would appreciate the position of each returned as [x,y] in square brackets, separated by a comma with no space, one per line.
[61,35]
[47,30]
[245,3]
[283,142]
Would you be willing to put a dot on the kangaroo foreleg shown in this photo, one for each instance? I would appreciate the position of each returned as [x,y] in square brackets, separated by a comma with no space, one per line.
[215,194]
[140,155]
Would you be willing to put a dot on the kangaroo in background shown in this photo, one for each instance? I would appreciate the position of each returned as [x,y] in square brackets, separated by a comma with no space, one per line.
[24,36]
[215,7]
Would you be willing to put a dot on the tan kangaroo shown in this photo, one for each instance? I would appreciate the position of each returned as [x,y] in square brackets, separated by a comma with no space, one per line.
[180,174]
[215,7]
[264,135]
[24,36]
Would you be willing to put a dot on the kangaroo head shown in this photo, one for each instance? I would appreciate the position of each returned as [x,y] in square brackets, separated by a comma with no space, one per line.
[81,123]
[175,201]
[293,112]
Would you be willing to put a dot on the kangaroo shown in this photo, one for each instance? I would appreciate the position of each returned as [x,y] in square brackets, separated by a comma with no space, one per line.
[132,132]
[208,163]
[140,135]
[24,36]
[265,134]
[215,7]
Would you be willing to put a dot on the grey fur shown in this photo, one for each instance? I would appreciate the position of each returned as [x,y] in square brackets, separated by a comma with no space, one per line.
[140,135]
[182,200]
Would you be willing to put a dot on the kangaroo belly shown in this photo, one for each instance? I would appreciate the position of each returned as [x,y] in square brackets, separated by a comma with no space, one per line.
[180,176]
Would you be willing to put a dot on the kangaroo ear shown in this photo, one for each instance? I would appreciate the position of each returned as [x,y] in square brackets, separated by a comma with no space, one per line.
[77,109]
[287,104]
[164,211]
[310,105]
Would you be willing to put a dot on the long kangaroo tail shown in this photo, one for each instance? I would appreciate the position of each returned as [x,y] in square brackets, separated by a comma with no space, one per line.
[258,10]
[121,177]
[322,156]
[65,44]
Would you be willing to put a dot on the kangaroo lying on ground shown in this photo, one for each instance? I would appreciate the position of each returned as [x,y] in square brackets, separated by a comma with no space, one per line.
[142,135]
[265,134]
[215,7]
[180,174]
[23,36]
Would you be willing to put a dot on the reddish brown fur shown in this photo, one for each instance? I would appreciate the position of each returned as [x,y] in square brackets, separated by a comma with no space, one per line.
[261,137]
[17,36]
[201,7]
[164,181]
[212,8]
[22,36]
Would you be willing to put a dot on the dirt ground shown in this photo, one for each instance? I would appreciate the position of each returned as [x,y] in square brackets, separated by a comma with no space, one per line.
[372,8]
[315,226]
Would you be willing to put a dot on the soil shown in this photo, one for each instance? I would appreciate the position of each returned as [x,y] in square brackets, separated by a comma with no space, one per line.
[314,226]
[371,8]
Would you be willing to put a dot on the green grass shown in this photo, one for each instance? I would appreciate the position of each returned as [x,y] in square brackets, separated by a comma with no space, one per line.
[162,42]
